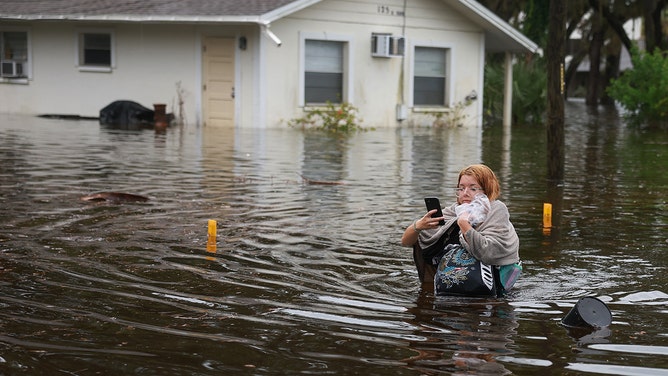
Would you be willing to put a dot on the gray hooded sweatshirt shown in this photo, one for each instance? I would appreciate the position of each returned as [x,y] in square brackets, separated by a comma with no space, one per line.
[494,241]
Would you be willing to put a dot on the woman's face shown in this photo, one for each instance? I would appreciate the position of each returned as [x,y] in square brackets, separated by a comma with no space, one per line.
[467,188]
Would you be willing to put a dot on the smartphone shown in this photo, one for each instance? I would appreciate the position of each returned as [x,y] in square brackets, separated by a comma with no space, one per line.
[433,203]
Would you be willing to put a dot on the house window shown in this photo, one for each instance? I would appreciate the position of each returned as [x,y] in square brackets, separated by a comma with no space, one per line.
[14,54]
[95,49]
[323,75]
[430,80]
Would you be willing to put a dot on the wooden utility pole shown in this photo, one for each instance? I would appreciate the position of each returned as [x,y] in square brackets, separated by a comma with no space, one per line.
[556,41]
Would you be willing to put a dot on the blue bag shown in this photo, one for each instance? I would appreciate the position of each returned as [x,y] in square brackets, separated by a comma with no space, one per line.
[459,273]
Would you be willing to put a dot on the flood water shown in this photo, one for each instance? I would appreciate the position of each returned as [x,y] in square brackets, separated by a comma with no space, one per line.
[310,278]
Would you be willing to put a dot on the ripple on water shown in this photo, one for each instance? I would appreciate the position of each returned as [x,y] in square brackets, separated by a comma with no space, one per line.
[308,278]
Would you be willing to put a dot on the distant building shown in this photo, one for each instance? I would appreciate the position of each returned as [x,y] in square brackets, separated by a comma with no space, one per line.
[577,87]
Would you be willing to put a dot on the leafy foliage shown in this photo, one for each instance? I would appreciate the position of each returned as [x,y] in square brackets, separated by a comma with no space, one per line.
[643,90]
[339,118]
[454,118]
[529,91]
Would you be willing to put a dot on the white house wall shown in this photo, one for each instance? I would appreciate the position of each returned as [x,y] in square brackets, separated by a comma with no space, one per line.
[148,62]
[379,84]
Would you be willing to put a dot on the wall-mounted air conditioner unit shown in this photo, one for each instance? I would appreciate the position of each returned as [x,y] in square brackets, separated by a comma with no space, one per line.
[386,45]
[10,68]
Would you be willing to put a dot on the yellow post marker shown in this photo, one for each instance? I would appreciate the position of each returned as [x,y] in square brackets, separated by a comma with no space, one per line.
[211,236]
[212,230]
[547,215]
[211,248]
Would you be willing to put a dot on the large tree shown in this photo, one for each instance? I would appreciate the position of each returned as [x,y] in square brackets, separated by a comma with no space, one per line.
[601,24]
[653,11]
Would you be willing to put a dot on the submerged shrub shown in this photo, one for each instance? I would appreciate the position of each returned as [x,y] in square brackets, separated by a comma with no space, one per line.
[643,90]
[341,117]
[529,91]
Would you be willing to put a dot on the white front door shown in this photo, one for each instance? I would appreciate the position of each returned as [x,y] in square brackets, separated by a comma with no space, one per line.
[218,81]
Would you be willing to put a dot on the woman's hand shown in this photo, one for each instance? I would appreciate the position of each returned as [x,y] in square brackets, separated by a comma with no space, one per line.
[464,223]
[426,222]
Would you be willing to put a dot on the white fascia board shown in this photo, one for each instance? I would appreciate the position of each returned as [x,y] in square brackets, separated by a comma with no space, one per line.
[286,10]
[139,18]
[499,24]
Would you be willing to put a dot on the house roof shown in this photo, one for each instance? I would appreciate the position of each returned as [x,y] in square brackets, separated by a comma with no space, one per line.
[143,10]
[500,36]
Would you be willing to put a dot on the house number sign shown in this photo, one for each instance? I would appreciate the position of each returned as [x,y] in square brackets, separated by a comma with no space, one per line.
[388,11]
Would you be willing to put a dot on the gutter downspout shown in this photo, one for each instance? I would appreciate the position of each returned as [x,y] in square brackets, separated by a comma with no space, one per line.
[270,34]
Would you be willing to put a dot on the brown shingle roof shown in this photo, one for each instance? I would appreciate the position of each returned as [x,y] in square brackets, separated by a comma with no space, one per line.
[174,8]
[500,35]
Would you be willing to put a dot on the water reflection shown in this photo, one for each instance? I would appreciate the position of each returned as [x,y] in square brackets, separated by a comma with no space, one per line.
[310,278]
[460,335]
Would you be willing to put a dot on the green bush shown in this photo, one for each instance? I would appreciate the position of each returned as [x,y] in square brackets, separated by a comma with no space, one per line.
[340,118]
[529,90]
[643,90]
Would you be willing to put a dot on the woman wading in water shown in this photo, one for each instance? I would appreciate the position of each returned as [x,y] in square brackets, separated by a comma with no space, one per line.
[490,237]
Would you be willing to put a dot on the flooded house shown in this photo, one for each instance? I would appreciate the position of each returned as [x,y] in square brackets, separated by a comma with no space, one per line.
[232,63]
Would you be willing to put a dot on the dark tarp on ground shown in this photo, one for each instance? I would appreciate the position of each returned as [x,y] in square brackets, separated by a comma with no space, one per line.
[126,113]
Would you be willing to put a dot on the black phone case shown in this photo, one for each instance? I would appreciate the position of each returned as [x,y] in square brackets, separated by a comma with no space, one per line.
[433,203]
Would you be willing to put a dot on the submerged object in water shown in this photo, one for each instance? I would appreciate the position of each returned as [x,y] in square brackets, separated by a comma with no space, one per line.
[320,182]
[588,312]
[115,197]
[126,113]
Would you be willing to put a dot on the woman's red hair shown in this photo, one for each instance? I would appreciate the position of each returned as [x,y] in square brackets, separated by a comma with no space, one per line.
[485,177]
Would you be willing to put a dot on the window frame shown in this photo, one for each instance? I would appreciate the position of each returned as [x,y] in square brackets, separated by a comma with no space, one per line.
[347,65]
[449,85]
[80,48]
[27,64]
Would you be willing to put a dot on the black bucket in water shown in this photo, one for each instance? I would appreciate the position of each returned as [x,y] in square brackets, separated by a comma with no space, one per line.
[588,312]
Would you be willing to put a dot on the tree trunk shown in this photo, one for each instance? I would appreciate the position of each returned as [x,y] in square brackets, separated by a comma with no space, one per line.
[648,7]
[611,72]
[658,28]
[594,78]
[556,41]
[652,20]
[614,23]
